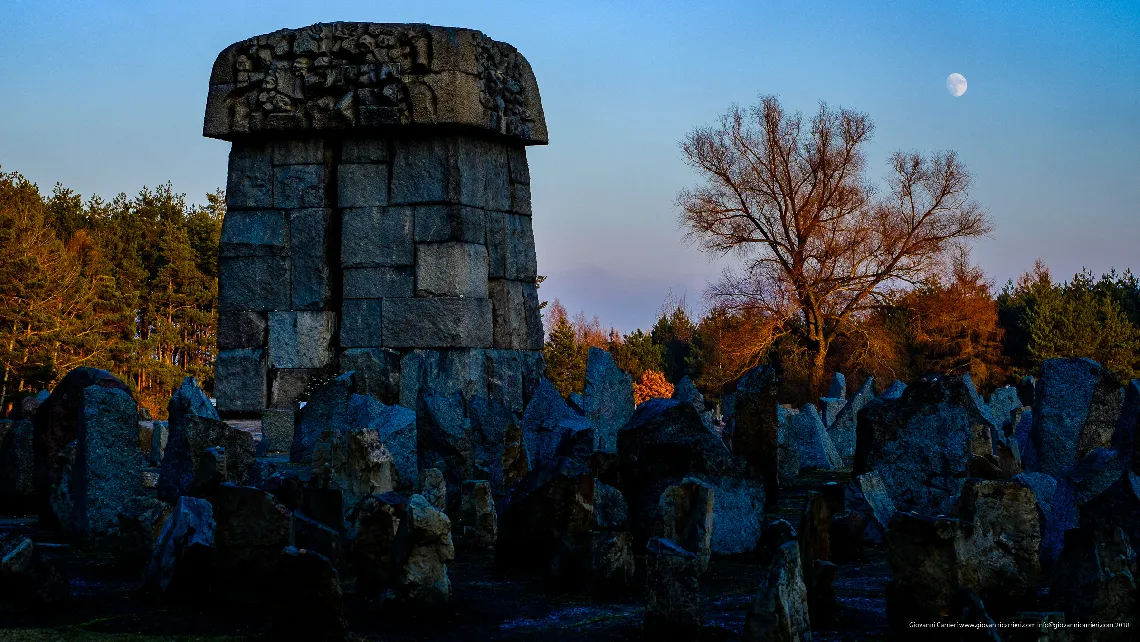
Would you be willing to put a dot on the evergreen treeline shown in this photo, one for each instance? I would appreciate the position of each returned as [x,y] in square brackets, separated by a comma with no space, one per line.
[128,285]
[954,322]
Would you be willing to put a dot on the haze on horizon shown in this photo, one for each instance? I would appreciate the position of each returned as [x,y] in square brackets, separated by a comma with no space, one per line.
[109,99]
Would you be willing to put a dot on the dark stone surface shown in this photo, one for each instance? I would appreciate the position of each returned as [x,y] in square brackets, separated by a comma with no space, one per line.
[542,424]
[309,604]
[1095,579]
[920,444]
[756,426]
[380,548]
[665,442]
[1078,405]
[194,429]
[242,329]
[842,430]
[446,442]
[611,512]
[240,380]
[327,407]
[108,463]
[672,592]
[437,322]
[924,569]
[140,524]
[251,529]
[490,421]
[183,551]
[546,522]
[608,399]
[838,387]
[780,609]
[805,429]
[56,420]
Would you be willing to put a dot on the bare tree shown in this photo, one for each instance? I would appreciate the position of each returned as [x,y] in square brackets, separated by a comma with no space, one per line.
[820,244]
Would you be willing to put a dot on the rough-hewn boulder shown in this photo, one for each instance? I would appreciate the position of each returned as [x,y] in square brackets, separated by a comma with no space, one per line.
[424,579]
[830,408]
[893,391]
[434,487]
[27,578]
[787,460]
[184,549]
[107,465]
[810,437]
[478,522]
[395,426]
[999,541]
[140,524]
[837,389]
[756,426]
[490,423]
[611,512]
[842,430]
[1095,579]
[195,428]
[780,609]
[992,549]
[352,459]
[612,565]
[687,517]
[608,398]
[251,530]
[672,591]
[1002,403]
[381,537]
[1117,506]
[542,424]
[446,442]
[546,522]
[1124,440]
[868,494]
[56,422]
[815,555]
[665,442]
[924,569]
[1078,405]
[309,602]
[327,406]
[920,444]
[1092,475]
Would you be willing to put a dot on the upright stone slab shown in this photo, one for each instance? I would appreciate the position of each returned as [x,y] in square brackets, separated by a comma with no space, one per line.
[1078,404]
[842,430]
[687,517]
[108,463]
[757,425]
[608,399]
[55,423]
[672,592]
[378,206]
[838,387]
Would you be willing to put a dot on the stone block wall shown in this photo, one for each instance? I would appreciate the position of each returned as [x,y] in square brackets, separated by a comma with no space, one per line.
[401,248]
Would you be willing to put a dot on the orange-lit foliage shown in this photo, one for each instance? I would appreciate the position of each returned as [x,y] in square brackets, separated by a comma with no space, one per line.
[954,325]
[652,386]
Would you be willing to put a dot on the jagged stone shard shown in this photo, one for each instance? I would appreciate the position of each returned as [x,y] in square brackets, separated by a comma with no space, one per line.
[341,75]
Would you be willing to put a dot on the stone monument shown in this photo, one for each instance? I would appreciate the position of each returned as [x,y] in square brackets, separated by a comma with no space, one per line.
[378,215]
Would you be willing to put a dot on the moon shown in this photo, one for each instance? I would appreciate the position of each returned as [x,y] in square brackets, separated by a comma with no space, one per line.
[956,84]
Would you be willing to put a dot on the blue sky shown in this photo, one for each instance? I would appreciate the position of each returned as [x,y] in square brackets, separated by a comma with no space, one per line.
[108,96]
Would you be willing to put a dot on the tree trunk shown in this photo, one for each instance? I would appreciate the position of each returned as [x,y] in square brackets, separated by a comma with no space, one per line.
[819,369]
